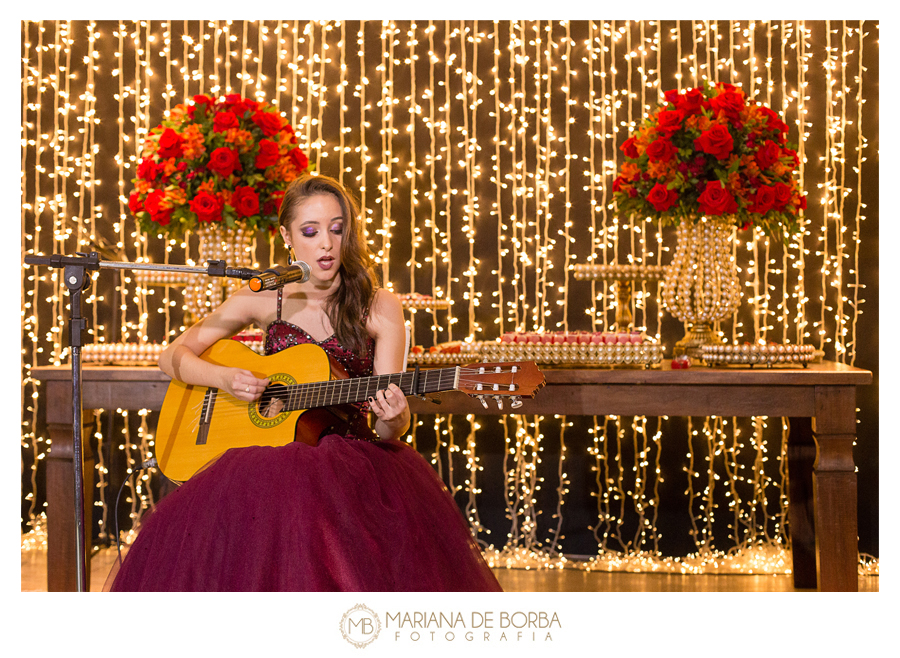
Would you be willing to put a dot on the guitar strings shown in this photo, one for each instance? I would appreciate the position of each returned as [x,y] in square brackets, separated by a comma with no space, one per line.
[233,407]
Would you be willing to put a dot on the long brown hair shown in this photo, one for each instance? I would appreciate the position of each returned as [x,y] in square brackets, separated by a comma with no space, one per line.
[351,301]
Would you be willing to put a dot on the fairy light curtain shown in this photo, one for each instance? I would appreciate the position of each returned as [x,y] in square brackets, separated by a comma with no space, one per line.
[483,153]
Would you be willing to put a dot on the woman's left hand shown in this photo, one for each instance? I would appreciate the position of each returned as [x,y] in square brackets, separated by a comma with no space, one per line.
[391,411]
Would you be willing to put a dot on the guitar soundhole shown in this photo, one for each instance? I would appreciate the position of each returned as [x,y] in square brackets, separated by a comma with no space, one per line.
[273,401]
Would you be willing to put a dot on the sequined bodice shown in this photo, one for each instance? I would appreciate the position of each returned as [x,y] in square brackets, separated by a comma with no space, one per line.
[281,334]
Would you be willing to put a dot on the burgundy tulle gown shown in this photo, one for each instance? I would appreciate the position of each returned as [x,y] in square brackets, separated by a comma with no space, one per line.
[345,515]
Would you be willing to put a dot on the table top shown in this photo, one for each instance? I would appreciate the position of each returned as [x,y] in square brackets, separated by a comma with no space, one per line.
[827,373]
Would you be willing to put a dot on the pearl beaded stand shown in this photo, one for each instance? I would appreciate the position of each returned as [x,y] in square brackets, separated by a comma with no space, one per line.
[619,271]
[768,355]
[122,354]
[147,354]
[415,301]
[621,355]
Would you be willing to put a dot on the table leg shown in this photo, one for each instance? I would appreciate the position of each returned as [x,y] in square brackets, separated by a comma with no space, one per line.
[62,560]
[801,521]
[834,489]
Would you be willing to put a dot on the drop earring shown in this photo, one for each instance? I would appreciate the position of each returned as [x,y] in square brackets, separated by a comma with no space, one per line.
[292,257]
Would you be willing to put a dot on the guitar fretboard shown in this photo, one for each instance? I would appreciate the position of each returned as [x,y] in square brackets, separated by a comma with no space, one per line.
[358,389]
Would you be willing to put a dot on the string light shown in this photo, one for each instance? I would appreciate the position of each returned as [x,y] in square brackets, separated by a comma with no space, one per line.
[481,131]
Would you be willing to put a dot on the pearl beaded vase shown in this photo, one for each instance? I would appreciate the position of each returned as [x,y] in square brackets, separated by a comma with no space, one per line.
[701,285]
[202,293]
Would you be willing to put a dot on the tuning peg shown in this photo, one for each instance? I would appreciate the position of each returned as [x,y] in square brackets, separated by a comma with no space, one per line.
[482,400]
[515,402]
[499,401]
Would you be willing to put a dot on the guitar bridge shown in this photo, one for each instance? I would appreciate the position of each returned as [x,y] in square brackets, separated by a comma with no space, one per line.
[209,403]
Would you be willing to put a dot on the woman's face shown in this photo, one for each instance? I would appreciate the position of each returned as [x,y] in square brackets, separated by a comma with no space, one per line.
[316,231]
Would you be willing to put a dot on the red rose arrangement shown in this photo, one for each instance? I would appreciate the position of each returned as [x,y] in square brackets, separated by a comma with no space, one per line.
[711,152]
[226,160]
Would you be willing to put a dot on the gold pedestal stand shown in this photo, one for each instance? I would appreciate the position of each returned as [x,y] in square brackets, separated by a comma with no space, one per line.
[623,277]
[696,336]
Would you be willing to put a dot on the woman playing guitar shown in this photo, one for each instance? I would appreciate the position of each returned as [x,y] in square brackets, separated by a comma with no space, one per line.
[351,510]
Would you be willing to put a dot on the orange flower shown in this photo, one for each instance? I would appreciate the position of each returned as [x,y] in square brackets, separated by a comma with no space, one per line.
[242,139]
[748,162]
[169,166]
[175,196]
[282,170]
[661,171]
[193,145]
[177,113]
[779,169]
[286,139]
[630,170]
[151,146]
[699,121]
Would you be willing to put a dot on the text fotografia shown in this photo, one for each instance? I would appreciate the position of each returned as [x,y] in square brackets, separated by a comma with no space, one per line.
[477,626]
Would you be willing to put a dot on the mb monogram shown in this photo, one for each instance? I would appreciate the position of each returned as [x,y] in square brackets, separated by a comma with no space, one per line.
[360,625]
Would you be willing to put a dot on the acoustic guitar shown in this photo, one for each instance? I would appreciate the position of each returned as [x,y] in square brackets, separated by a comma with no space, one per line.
[309,396]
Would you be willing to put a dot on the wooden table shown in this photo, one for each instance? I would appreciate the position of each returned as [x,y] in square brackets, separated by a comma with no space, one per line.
[819,400]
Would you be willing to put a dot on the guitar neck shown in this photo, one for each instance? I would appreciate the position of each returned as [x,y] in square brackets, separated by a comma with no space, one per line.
[358,389]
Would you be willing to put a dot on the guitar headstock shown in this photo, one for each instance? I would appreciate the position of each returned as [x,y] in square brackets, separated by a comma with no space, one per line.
[500,380]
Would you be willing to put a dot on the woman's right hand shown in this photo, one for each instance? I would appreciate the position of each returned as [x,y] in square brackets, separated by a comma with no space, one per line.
[242,384]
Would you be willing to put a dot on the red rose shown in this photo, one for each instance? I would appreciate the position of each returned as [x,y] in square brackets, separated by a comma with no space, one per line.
[224,161]
[238,105]
[268,154]
[661,150]
[245,201]
[783,194]
[691,102]
[717,142]
[728,103]
[170,144]
[269,122]
[716,200]
[629,148]
[147,170]
[224,121]
[298,159]
[773,121]
[762,202]
[623,185]
[792,155]
[200,102]
[153,205]
[134,203]
[662,198]
[208,207]
[669,121]
[768,154]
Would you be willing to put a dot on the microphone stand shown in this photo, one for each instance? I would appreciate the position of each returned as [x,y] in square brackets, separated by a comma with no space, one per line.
[76,279]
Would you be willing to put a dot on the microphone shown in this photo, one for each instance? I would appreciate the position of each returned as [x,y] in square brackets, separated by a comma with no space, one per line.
[278,276]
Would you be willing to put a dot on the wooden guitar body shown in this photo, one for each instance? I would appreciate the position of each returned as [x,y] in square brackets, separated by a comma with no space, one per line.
[187,437]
